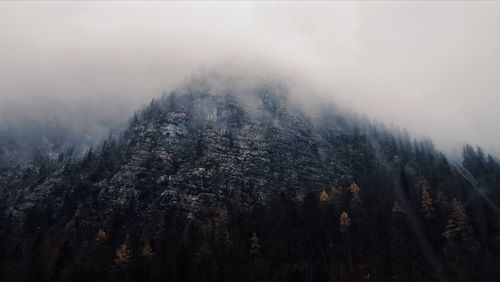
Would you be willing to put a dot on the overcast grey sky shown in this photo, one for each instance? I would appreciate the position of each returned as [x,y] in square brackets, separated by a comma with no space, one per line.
[432,67]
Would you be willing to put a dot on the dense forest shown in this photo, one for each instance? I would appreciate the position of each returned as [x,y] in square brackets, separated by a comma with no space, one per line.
[211,187]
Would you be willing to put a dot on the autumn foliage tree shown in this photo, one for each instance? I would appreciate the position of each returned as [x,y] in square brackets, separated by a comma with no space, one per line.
[123,255]
[355,194]
[460,243]
[101,236]
[147,251]
[396,209]
[426,199]
[324,198]
[344,222]
[458,228]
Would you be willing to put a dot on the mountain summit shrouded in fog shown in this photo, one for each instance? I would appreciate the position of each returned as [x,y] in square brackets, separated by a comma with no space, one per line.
[430,67]
[226,180]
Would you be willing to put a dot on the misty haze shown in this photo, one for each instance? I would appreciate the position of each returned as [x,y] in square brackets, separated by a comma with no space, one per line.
[249,141]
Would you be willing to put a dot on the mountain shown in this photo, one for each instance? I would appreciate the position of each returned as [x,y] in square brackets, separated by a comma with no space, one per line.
[244,184]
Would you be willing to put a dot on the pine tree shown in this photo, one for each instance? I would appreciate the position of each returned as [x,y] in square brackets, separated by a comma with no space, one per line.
[206,265]
[221,216]
[254,245]
[221,221]
[336,195]
[344,222]
[441,199]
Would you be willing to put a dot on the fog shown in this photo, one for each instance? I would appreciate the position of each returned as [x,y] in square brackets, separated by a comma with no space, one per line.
[430,67]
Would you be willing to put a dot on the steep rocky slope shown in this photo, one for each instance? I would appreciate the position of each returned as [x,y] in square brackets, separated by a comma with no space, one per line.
[196,148]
